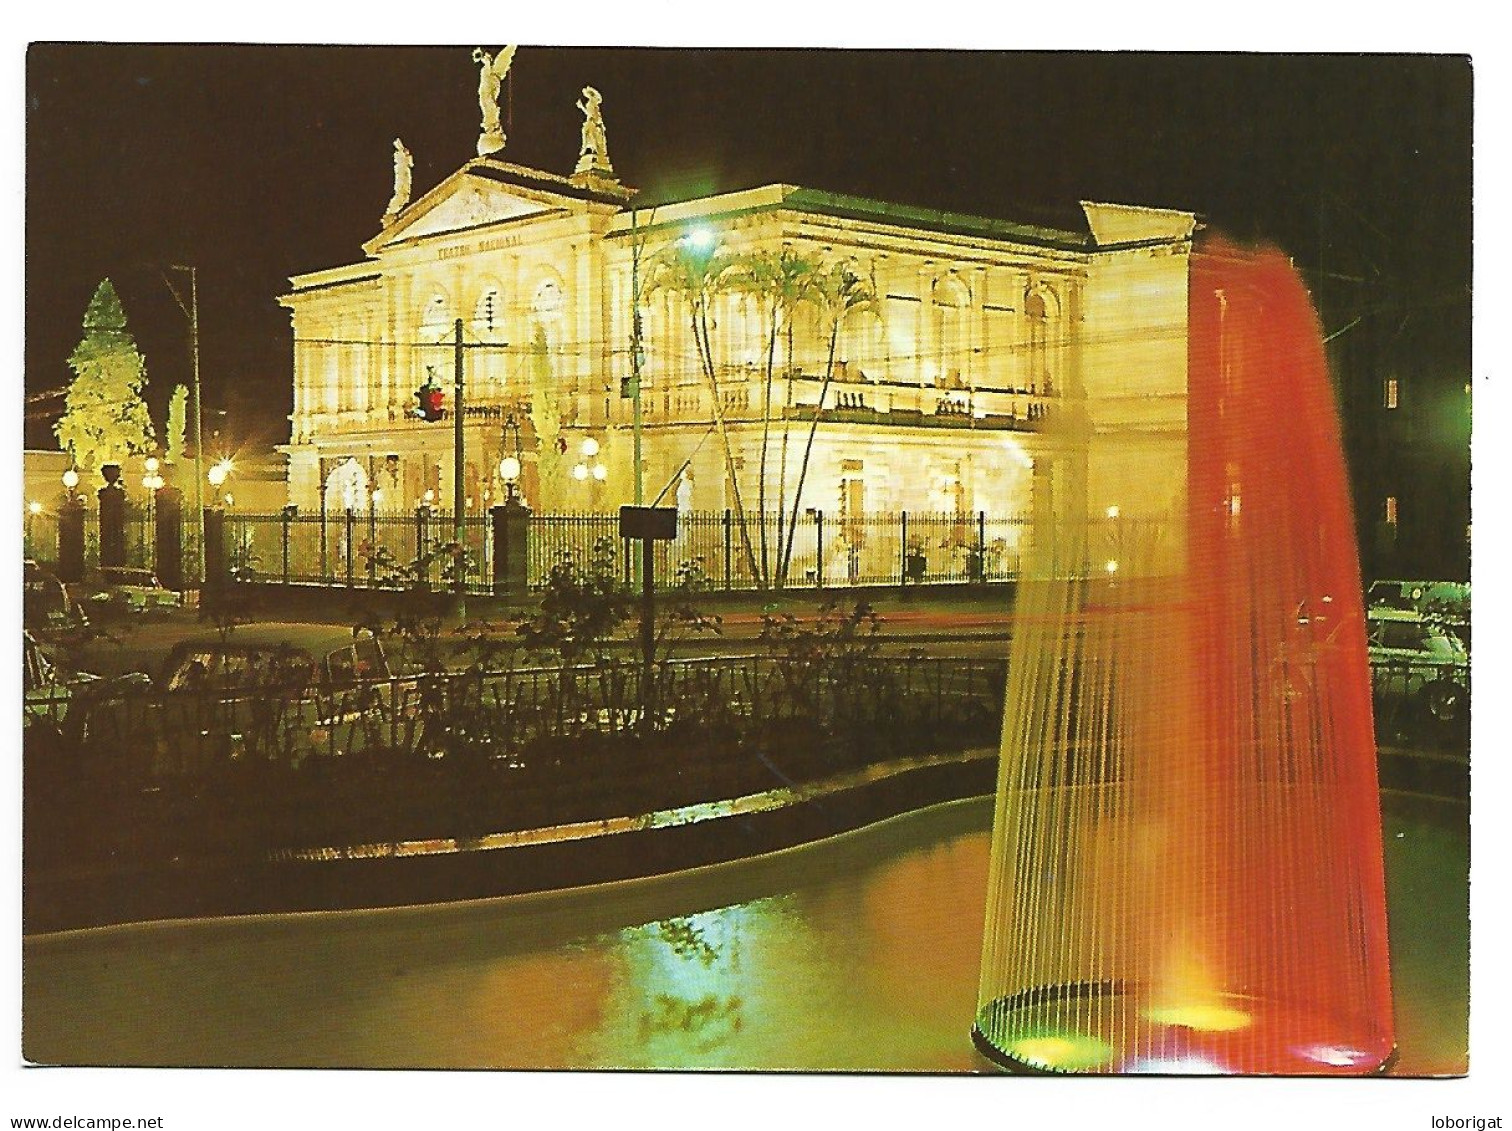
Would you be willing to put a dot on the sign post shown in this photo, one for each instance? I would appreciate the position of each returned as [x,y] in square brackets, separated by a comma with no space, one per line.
[648,525]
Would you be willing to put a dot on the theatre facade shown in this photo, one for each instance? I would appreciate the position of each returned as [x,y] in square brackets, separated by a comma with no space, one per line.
[985,352]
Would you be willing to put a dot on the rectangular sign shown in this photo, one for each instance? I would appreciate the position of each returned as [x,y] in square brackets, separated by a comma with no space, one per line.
[659,524]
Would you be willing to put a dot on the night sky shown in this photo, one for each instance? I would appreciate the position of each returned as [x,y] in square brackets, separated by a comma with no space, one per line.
[255,163]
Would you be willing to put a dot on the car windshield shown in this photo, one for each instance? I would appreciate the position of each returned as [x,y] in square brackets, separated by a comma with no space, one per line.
[362,659]
[239,668]
[1399,634]
[140,578]
[39,673]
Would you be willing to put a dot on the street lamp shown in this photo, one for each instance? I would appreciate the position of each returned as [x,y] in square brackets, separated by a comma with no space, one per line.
[509,471]
[581,472]
[509,465]
[71,482]
[191,312]
[152,481]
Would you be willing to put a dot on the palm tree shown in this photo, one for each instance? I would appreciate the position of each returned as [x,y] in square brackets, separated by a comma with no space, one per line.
[696,271]
[839,293]
[779,283]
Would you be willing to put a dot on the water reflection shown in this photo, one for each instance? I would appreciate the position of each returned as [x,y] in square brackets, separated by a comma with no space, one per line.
[860,953]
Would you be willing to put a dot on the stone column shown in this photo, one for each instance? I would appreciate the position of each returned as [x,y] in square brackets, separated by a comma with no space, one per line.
[217,571]
[168,545]
[511,548]
[112,498]
[977,359]
[71,539]
[922,320]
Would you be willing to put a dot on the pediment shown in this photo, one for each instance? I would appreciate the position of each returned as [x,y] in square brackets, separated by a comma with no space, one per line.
[1113,224]
[462,203]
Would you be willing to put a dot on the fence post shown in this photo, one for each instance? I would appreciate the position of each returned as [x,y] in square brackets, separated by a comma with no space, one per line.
[167,537]
[71,539]
[216,572]
[112,498]
[511,542]
[727,548]
[819,549]
[422,578]
[351,518]
[287,517]
[981,559]
[903,551]
[372,555]
[325,570]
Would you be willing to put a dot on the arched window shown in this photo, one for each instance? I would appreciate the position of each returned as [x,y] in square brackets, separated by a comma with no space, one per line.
[1037,314]
[948,309]
[436,318]
[434,335]
[488,314]
[486,366]
[547,310]
[548,302]
[346,487]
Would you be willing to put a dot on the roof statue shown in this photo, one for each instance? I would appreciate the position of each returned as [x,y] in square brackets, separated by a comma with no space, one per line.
[491,72]
[594,157]
[404,164]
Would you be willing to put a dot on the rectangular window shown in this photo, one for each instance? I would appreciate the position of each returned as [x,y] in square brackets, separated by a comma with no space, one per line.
[1391,392]
[1391,509]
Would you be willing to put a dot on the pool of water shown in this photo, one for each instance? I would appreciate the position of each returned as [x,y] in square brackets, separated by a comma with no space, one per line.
[857,953]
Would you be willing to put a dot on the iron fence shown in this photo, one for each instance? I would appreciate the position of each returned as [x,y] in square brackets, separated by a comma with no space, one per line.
[41,536]
[205,771]
[161,774]
[395,550]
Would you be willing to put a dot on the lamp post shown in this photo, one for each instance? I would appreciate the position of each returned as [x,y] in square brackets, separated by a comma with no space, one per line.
[151,482]
[590,467]
[375,496]
[191,311]
[511,520]
[213,548]
[509,464]
[71,530]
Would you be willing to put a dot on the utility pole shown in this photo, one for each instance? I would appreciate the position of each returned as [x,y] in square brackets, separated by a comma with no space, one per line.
[636,352]
[459,581]
[192,313]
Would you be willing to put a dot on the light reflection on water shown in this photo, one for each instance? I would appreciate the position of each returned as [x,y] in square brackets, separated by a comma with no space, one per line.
[858,953]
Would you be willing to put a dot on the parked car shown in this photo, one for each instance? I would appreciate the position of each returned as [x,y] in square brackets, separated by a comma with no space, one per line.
[46,604]
[1447,602]
[250,653]
[134,591]
[1418,663]
[254,690]
[48,693]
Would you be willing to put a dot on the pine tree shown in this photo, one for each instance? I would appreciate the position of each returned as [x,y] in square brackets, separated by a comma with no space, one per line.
[178,422]
[105,418]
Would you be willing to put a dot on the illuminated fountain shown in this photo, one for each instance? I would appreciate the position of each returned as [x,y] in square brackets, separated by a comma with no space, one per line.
[1187,863]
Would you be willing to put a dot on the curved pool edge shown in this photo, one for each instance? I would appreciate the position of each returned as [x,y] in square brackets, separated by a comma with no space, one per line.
[597,852]
[616,851]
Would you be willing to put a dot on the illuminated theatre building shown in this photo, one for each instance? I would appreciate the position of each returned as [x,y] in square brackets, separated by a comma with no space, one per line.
[982,332]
